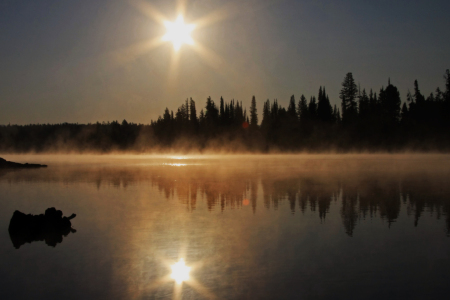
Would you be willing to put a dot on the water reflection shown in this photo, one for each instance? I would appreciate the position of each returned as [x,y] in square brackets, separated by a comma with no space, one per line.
[367,189]
[248,229]
[180,272]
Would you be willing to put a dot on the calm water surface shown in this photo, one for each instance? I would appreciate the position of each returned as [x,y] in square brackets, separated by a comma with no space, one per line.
[251,227]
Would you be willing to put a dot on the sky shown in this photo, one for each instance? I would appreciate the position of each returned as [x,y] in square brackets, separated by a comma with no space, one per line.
[87,61]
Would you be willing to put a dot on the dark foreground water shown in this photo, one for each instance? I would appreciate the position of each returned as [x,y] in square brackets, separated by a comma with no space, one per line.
[284,227]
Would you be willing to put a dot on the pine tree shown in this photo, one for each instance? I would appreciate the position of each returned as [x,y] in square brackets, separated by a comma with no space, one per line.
[201,118]
[348,96]
[312,108]
[166,116]
[390,104]
[302,109]
[212,113]
[265,123]
[447,85]
[324,109]
[253,114]
[292,113]
[418,97]
[192,112]
[222,111]
[363,105]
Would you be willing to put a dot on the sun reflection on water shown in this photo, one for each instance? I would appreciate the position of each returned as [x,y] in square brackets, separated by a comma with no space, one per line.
[180,272]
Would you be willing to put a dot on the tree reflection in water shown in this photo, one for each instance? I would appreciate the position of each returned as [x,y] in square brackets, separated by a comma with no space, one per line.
[362,188]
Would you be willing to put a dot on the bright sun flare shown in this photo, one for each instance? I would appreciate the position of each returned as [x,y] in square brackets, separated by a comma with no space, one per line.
[180,272]
[178,33]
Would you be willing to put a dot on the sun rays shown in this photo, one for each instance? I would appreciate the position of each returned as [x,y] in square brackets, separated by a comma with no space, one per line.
[181,275]
[178,33]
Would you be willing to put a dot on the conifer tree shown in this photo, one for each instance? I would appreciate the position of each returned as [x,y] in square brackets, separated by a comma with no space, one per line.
[166,116]
[364,106]
[292,113]
[390,104]
[222,111]
[312,108]
[201,118]
[447,85]
[418,97]
[232,112]
[192,112]
[324,109]
[303,109]
[265,123]
[253,114]
[348,96]
[212,113]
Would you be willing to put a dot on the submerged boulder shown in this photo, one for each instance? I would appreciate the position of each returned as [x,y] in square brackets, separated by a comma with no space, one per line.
[49,227]
[4,164]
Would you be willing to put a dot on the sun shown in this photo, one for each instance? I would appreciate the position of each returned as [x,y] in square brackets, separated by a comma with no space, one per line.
[178,33]
[180,272]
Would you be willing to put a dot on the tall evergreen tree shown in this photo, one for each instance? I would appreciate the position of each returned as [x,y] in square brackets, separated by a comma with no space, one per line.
[390,104]
[324,109]
[201,118]
[348,96]
[447,84]
[364,105]
[418,97]
[265,123]
[212,113]
[302,110]
[232,119]
[166,116]
[253,114]
[192,112]
[222,111]
[186,110]
[292,113]
[312,108]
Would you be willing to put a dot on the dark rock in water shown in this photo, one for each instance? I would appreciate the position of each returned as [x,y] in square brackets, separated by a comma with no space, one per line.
[50,227]
[4,164]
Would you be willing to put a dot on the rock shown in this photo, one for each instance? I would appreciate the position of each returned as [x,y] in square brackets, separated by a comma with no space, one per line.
[49,227]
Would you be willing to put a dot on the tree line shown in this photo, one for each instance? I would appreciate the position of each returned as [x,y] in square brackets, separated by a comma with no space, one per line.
[365,120]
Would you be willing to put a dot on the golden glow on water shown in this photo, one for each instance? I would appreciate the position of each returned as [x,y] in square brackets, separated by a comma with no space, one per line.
[180,272]
[178,157]
[175,165]
[220,212]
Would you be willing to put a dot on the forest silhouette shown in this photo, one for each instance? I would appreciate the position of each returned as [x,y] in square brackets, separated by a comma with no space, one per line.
[365,121]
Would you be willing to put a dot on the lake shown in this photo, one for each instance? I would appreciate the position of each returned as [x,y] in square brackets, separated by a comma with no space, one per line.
[249,227]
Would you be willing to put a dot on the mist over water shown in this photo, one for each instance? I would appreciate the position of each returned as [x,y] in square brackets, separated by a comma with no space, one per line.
[252,227]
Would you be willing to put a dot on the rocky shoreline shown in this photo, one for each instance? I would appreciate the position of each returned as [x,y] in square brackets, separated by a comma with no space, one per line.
[4,164]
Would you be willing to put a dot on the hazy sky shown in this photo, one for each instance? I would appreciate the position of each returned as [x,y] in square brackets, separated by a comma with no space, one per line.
[83,60]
